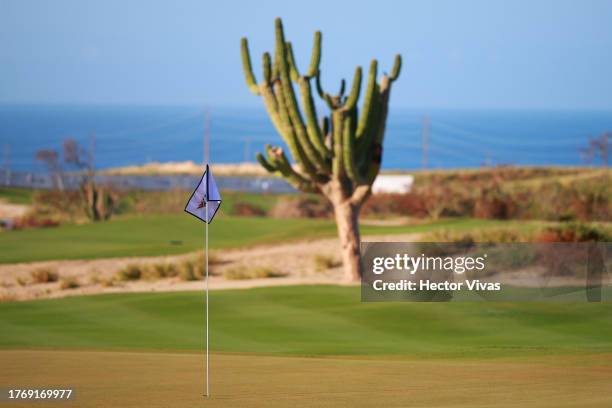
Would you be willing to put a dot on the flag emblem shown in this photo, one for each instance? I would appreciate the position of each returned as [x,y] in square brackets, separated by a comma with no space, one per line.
[206,191]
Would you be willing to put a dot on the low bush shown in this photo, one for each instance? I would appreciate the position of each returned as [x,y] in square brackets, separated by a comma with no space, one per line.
[302,207]
[131,272]
[498,235]
[245,272]
[161,270]
[574,232]
[69,282]
[191,269]
[324,262]
[44,275]
[248,210]
[34,220]
[503,193]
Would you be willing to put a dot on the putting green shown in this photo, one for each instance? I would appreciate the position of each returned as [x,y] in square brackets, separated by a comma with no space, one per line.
[131,379]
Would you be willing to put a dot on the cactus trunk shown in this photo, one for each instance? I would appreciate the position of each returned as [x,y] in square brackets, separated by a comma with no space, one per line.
[347,222]
[339,161]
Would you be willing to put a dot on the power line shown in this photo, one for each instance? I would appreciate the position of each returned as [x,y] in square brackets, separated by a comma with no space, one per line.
[425,142]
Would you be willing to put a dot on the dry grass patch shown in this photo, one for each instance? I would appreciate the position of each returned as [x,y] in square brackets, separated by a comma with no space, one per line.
[242,272]
[69,282]
[325,262]
[131,272]
[44,275]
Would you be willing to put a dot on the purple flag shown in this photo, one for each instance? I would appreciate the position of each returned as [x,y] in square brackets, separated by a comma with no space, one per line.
[206,191]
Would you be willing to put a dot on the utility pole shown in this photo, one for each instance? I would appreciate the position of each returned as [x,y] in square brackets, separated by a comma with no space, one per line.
[606,148]
[206,136]
[7,164]
[425,142]
[247,149]
[92,154]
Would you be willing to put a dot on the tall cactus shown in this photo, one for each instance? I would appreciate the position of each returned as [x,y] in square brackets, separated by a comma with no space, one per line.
[338,156]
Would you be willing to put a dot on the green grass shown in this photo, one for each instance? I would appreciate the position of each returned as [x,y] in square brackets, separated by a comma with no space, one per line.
[16,195]
[264,201]
[307,320]
[156,235]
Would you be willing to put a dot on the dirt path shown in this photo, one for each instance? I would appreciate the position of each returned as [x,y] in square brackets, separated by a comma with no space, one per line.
[12,211]
[303,262]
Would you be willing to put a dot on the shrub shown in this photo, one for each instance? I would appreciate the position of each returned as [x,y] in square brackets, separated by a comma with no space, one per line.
[130,272]
[248,210]
[499,235]
[44,275]
[107,283]
[33,220]
[161,270]
[324,262]
[21,281]
[302,207]
[244,272]
[213,258]
[69,282]
[574,232]
[191,270]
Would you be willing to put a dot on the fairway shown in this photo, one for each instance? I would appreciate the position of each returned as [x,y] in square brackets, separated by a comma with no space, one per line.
[156,235]
[129,379]
[307,320]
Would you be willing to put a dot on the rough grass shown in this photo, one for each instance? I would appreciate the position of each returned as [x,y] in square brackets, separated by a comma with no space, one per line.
[244,272]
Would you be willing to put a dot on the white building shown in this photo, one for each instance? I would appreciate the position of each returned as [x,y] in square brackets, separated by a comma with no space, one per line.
[392,183]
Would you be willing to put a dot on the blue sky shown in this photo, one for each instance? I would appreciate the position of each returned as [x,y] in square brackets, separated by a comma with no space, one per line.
[457,54]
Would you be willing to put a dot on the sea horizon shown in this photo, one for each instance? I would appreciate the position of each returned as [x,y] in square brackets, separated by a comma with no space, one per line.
[135,134]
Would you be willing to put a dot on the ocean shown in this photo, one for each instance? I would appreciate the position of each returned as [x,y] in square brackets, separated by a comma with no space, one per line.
[126,135]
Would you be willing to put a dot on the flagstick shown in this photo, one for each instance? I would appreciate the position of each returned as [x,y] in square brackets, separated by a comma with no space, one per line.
[207,364]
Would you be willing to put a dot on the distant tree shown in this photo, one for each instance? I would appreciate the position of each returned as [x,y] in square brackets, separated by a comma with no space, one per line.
[76,155]
[99,201]
[597,148]
[50,158]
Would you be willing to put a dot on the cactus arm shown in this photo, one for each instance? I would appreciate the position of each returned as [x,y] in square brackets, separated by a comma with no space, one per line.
[285,168]
[267,68]
[348,142]
[315,57]
[353,97]
[249,76]
[337,130]
[325,125]
[365,141]
[397,66]
[265,164]
[360,194]
[366,119]
[293,70]
[312,126]
[342,88]
[376,147]
[288,132]
[273,110]
[322,94]
[312,159]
